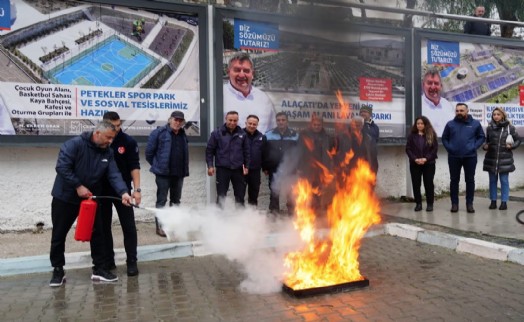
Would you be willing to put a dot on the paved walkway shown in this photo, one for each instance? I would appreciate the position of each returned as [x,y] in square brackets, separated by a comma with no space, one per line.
[494,223]
[409,281]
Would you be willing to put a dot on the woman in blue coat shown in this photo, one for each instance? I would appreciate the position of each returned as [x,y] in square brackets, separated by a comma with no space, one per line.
[421,148]
[501,139]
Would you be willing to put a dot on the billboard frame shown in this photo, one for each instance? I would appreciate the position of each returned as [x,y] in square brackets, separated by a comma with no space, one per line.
[317,20]
[168,7]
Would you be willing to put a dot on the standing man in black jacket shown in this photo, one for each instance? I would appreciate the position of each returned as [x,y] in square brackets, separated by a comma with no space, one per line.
[83,163]
[256,141]
[125,151]
[478,27]
[228,155]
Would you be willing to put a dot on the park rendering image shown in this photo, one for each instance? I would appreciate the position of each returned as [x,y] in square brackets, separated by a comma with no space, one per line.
[113,63]
[76,44]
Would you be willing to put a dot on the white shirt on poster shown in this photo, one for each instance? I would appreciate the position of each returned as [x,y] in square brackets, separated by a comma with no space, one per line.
[256,103]
[439,115]
[6,126]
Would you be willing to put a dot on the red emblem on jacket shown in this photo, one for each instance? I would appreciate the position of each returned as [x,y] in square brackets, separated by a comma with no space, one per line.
[121,150]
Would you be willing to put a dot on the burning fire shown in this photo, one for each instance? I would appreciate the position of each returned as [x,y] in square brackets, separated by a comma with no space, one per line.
[333,259]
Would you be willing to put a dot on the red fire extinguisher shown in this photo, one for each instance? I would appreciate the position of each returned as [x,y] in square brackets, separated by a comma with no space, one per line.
[85,220]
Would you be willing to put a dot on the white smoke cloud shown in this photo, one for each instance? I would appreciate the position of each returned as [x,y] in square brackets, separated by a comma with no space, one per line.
[243,235]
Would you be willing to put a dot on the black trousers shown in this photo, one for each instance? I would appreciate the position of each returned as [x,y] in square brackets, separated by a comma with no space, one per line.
[63,215]
[427,173]
[126,215]
[171,184]
[236,177]
[253,186]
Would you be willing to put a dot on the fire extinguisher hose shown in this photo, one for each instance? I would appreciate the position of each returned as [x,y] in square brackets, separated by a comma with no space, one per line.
[112,197]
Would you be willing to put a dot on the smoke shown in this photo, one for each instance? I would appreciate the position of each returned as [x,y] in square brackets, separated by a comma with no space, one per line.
[286,175]
[243,235]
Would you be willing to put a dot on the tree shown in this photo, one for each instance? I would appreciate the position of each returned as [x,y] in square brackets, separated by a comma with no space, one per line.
[229,35]
[507,10]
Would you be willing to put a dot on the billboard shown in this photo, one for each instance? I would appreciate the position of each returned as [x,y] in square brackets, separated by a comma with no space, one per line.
[67,63]
[299,69]
[483,75]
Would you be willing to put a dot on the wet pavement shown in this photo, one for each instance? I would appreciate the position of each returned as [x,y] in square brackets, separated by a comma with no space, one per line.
[409,281]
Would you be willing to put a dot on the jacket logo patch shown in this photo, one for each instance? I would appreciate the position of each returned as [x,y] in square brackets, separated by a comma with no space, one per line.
[104,160]
[121,150]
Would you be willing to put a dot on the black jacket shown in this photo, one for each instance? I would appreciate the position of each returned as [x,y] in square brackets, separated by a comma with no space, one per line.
[81,162]
[228,149]
[414,150]
[499,159]
[127,158]
[256,145]
[314,148]
[477,28]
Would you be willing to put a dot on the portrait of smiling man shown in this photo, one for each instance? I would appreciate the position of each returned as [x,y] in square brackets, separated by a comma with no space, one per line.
[241,96]
[435,107]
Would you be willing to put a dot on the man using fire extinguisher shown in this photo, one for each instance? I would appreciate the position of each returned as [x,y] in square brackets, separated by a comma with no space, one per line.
[83,162]
[125,150]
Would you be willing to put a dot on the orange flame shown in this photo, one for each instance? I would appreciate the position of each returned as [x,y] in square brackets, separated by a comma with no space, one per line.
[353,210]
[333,259]
[309,144]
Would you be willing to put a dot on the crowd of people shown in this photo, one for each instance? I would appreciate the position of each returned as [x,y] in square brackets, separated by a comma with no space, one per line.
[105,162]
[462,136]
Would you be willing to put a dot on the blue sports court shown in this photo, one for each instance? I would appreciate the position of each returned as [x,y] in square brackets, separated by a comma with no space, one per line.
[485,68]
[112,63]
[445,72]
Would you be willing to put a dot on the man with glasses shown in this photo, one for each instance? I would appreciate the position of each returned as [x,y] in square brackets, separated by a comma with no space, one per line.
[167,152]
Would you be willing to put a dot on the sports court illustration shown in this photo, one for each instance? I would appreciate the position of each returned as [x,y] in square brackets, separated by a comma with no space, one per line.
[486,73]
[113,63]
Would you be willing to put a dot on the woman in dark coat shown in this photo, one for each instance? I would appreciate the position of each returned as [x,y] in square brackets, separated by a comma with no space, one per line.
[498,161]
[421,148]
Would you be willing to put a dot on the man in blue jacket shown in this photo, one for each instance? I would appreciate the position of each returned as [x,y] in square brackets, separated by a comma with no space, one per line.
[228,155]
[462,137]
[167,152]
[279,142]
[125,150]
[83,162]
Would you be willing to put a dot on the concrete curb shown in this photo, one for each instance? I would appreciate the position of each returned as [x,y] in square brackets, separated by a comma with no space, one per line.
[40,264]
[459,244]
